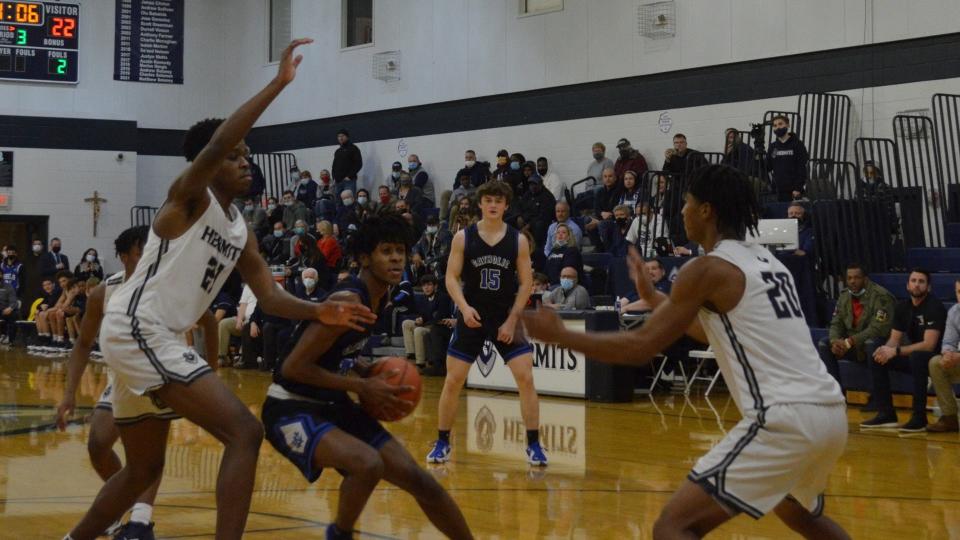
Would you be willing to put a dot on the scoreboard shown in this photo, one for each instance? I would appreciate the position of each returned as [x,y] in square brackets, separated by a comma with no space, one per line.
[39,41]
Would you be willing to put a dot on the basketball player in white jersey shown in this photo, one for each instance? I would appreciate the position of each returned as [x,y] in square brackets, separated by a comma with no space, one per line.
[103,431]
[741,300]
[196,240]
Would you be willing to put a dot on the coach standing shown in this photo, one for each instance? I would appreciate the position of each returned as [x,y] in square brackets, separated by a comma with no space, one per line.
[347,163]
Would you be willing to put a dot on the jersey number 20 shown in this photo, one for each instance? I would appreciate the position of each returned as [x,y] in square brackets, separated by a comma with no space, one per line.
[213,271]
[783,297]
[490,279]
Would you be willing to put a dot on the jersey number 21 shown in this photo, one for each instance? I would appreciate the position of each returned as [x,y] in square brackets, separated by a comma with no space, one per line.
[213,271]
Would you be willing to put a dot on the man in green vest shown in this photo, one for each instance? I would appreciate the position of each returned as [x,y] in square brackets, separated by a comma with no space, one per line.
[861,322]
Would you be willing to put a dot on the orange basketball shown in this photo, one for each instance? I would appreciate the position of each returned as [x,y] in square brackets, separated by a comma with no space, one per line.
[406,375]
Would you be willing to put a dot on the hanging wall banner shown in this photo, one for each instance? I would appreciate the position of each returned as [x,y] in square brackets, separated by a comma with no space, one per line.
[148,41]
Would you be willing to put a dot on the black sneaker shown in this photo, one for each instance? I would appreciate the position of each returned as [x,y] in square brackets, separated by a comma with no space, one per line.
[135,530]
[916,424]
[882,420]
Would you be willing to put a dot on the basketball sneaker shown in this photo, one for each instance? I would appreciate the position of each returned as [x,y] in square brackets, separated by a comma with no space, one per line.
[535,455]
[440,452]
[134,530]
[881,420]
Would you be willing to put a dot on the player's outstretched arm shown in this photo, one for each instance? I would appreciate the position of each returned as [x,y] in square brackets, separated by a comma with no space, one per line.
[80,355]
[452,280]
[191,186]
[301,364]
[704,282]
[276,301]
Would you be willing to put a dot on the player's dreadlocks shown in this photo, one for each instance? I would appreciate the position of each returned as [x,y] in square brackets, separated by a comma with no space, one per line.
[732,197]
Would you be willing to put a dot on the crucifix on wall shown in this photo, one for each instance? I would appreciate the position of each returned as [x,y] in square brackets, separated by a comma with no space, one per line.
[96,200]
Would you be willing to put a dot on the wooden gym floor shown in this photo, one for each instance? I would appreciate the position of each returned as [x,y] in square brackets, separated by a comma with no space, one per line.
[612,468]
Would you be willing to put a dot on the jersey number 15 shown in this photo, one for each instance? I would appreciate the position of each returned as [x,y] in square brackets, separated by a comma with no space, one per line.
[783,297]
[490,279]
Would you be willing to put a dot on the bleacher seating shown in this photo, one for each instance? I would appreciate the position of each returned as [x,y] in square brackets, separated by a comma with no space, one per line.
[953,235]
[896,283]
[934,259]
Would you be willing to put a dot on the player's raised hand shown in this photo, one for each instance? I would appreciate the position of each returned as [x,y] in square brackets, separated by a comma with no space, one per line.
[65,410]
[471,318]
[638,274]
[543,324]
[348,314]
[289,63]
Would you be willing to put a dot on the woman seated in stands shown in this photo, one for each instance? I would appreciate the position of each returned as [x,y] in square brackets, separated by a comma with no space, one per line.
[463,215]
[630,194]
[89,267]
[563,253]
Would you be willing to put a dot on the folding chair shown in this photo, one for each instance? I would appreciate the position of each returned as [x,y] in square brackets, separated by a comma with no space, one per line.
[702,358]
[659,372]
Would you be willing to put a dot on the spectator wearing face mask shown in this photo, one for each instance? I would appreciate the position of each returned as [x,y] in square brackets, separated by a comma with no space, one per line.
[537,209]
[434,246]
[274,212]
[347,214]
[465,189]
[393,180]
[503,165]
[255,216]
[276,246]
[364,206]
[325,206]
[478,171]
[409,193]
[551,181]
[305,190]
[89,267]
[805,239]
[347,163]
[385,199]
[600,161]
[629,160]
[293,210]
[30,284]
[787,161]
[570,295]
[420,178]
[613,233]
[12,269]
[53,261]
[562,253]
[515,177]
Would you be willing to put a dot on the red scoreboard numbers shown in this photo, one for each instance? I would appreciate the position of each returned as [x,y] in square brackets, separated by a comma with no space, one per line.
[63,27]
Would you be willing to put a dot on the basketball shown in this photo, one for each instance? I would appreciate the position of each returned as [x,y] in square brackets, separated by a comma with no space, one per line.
[406,374]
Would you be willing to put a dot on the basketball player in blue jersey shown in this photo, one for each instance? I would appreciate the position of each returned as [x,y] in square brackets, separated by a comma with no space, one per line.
[103,431]
[741,300]
[493,261]
[195,241]
[310,419]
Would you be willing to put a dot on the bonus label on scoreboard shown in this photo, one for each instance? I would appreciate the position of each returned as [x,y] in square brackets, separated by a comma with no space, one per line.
[39,41]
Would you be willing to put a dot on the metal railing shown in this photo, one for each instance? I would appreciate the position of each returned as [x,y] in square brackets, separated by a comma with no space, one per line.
[276,171]
[824,124]
[828,180]
[946,128]
[142,215]
[920,160]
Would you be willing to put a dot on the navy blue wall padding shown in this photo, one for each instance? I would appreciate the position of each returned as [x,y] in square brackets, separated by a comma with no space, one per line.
[896,283]
[934,259]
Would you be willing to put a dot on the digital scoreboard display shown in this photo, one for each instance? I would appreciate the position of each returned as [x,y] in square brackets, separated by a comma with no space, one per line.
[39,41]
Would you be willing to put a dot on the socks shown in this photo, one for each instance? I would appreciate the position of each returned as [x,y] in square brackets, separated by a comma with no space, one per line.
[533,436]
[142,513]
[334,533]
[444,435]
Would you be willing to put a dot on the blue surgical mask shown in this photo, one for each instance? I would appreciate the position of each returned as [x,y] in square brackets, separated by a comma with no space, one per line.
[278,234]
[412,165]
[348,201]
[298,230]
[515,165]
[304,181]
[566,284]
[780,132]
[395,174]
[309,283]
[362,200]
[432,229]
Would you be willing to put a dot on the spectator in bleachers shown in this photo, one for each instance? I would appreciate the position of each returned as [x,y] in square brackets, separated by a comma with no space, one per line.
[421,180]
[237,326]
[503,165]
[417,268]
[805,238]
[274,212]
[872,183]
[600,161]
[918,324]
[326,205]
[561,254]
[89,266]
[478,171]
[258,182]
[347,214]
[330,249]
[293,210]
[570,294]
[739,155]
[255,216]
[551,181]
[514,176]
[305,190]
[562,214]
[405,209]
[680,160]
[409,193]
[223,306]
[945,370]
[861,322]
[465,189]
[9,312]
[613,233]
[385,199]
[463,215]
[434,246]
[347,162]
[630,160]
[537,209]
[653,268]
[276,246]
[787,161]
[53,261]
[630,192]
[394,179]
[364,208]
[541,283]
[429,310]
[12,270]
[645,228]
[607,197]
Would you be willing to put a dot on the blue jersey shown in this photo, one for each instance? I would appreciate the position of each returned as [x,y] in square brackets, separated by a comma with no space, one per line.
[490,272]
[11,274]
[339,358]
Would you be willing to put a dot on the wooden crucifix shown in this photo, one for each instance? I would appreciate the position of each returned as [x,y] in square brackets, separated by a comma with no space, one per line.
[96,200]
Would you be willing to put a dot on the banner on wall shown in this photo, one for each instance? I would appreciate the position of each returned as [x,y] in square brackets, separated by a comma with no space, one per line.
[148,41]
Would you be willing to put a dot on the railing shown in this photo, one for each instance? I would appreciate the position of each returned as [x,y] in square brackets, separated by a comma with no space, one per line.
[142,215]
[828,180]
[946,127]
[824,125]
[276,171]
[920,159]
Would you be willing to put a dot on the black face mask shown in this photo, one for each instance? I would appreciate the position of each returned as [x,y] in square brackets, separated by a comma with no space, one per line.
[55,249]
[621,221]
[625,153]
[542,172]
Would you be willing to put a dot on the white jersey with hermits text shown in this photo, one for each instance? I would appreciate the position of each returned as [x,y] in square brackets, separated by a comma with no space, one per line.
[176,280]
[763,345]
